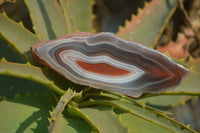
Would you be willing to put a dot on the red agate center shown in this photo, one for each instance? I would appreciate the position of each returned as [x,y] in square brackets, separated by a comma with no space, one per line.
[102,68]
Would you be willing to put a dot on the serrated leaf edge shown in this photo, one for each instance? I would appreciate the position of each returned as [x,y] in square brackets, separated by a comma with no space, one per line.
[31,77]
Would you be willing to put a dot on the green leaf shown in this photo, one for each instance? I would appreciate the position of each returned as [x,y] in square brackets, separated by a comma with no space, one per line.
[149,23]
[163,102]
[138,125]
[53,13]
[142,111]
[103,119]
[19,37]
[68,18]
[71,125]
[10,86]
[81,11]
[69,94]
[40,19]
[154,117]
[152,100]
[10,53]
[28,72]
[25,114]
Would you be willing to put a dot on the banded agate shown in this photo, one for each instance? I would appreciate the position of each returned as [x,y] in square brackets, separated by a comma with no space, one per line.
[104,61]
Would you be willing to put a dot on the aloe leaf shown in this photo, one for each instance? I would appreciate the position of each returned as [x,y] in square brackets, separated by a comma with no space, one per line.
[144,112]
[10,53]
[150,21]
[28,72]
[158,101]
[138,125]
[105,119]
[102,119]
[25,114]
[68,18]
[154,116]
[54,14]
[21,40]
[166,102]
[41,21]
[151,99]
[10,86]
[59,108]
[70,125]
[81,12]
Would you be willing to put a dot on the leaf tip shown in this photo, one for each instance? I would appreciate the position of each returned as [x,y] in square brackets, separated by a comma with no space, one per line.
[3,60]
[28,64]
[188,125]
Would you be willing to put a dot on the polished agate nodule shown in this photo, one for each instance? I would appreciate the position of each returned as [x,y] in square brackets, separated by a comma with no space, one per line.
[107,62]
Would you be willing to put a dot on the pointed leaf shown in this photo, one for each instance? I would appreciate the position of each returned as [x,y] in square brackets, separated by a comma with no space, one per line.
[41,21]
[10,86]
[138,125]
[26,71]
[81,11]
[25,114]
[153,116]
[69,94]
[149,23]
[55,15]
[103,119]
[70,125]
[68,18]
[19,37]
[10,53]
[163,102]
[143,112]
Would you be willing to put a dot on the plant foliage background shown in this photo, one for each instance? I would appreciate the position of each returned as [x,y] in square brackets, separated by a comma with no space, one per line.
[36,99]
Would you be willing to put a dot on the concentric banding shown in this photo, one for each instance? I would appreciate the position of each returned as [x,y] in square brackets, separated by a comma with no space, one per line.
[70,57]
[108,62]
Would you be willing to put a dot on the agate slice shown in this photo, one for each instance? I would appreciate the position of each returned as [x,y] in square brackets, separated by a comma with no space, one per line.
[104,61]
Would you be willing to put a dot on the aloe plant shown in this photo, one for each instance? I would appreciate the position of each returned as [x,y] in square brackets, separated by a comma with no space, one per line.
[36,99]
